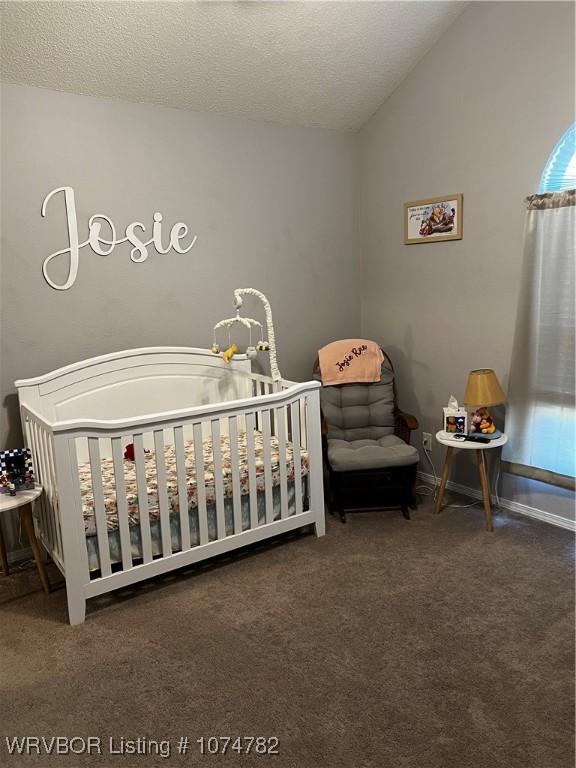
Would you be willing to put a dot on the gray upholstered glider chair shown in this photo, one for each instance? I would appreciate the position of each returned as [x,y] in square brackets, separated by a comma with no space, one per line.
[369,462]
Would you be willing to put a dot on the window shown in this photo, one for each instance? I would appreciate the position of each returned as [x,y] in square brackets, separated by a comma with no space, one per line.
[560,170]
[541,418]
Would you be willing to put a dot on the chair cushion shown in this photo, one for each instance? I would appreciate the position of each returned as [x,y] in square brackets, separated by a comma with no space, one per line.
[387,451]
[360,411]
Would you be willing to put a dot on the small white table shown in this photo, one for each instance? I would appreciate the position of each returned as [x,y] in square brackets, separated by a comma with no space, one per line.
[22,501]
[447,439]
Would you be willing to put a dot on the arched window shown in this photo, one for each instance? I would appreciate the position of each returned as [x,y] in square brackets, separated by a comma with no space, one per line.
[541,417]
[560,170]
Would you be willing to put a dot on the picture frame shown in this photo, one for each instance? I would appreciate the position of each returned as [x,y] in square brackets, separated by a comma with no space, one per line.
[455,421]
[16,470]
[433,220]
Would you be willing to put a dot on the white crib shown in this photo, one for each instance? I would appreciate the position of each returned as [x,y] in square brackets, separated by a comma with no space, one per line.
[177,403]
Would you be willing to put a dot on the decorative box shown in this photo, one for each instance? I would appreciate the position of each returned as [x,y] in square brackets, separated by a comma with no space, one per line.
[16,469]
[456,420]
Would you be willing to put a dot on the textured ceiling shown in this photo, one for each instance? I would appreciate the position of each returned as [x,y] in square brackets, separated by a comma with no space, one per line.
[328,64]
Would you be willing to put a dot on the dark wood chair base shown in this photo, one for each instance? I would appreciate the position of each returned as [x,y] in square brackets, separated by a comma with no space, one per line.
[371,490]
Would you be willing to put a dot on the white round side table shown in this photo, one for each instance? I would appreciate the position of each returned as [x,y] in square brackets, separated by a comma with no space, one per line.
[448,439]
[22,502]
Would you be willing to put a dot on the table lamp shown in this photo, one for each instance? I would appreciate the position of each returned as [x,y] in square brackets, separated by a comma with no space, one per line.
[483,389]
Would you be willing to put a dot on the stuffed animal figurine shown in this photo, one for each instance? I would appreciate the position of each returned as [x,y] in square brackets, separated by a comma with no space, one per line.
[129,452]
[228,354]
[475,420]
[482,422]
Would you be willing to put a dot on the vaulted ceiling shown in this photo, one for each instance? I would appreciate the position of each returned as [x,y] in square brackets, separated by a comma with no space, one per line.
[328,64]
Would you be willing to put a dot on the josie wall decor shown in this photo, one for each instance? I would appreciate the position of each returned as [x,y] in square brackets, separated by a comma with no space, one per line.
[432,220]
[104,247]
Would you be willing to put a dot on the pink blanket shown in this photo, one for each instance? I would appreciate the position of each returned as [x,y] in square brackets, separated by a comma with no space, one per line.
[350,361]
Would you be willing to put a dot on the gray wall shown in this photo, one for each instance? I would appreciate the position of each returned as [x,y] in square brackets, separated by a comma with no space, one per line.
[272,206]
[479,115]
[275,207]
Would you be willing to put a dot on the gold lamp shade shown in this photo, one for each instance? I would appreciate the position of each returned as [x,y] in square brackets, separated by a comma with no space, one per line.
[483,388]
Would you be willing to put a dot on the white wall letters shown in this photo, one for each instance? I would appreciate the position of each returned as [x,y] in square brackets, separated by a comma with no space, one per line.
[104,247]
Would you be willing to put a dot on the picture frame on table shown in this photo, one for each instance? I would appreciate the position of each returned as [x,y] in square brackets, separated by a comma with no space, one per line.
[433,220]
[16,470]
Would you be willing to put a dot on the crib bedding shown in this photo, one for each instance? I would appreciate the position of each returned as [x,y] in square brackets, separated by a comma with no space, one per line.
[175,536]
[109,485]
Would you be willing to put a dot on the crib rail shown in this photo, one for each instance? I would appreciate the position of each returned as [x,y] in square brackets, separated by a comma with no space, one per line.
[40,440]
[156,519]
[120,426]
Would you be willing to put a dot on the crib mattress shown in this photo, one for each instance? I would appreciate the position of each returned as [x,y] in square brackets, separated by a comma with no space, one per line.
[109,484]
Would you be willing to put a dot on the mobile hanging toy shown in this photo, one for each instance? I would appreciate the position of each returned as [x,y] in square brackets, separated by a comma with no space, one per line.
[263,345]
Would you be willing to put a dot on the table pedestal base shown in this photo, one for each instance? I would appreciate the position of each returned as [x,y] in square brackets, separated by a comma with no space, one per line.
[25,514]
[481,461]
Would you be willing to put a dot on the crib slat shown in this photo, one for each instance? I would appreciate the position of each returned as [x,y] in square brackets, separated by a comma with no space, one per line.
[75,549]
[164,506]
[49,521]
[200,484]
[99,510]
[121,503]
[235,464]
[45,517]
[286,412]
[218,480]
[267,458]
[38,464]
[40,452]
[295,408]
[143,512]
[49,485]
[43,465]
[41,509]
[259,392]
[182,487]
[303,429]
[280,418]
[251,458]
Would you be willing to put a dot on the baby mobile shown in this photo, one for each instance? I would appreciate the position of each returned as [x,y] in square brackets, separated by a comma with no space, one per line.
[263,345]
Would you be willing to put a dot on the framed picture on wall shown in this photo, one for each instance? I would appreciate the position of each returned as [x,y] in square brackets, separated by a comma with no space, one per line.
[432,220]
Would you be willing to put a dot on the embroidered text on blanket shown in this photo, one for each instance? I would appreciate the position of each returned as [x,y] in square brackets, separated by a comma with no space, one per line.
[354,352]
[104,247]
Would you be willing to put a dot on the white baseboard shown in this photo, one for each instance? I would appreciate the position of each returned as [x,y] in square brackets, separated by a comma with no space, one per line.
[511,506]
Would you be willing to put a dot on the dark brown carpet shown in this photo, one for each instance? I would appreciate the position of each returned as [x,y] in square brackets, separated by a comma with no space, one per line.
[422,644]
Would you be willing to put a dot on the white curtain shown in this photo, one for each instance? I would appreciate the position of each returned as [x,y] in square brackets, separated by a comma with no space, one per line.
[540,419]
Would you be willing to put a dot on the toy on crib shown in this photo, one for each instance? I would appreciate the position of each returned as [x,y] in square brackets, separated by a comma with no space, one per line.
[482,422]
[263,345]
[232,348]
[228,354]
[129,452]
